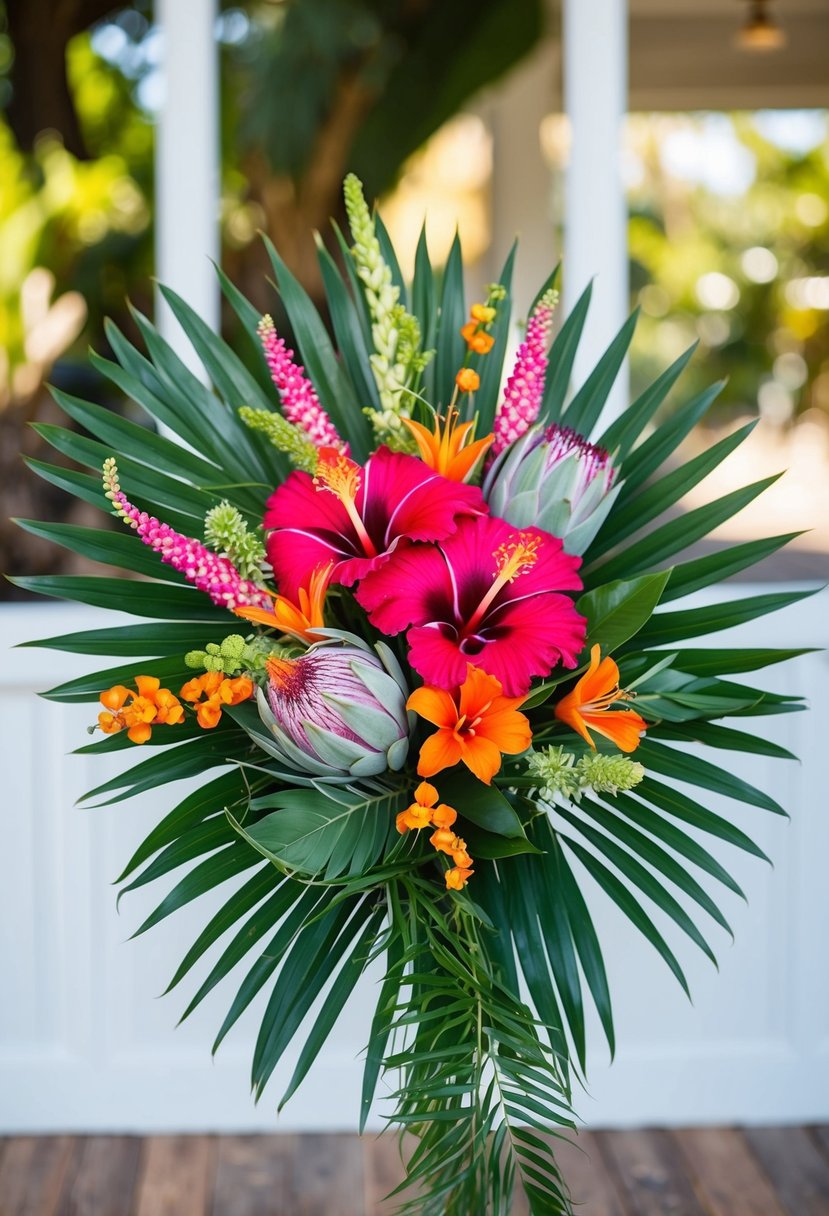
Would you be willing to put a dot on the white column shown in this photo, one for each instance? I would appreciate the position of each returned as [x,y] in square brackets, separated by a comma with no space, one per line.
[595,222]
[187,166]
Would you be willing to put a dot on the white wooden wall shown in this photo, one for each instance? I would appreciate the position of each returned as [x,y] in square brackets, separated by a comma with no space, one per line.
[85,1044]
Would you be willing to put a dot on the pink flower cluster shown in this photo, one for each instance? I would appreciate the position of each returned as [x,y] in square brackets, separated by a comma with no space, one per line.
[214,575]
[525,386]
[300,403]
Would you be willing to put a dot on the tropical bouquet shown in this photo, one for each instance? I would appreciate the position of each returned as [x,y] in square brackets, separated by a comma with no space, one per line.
[412,634]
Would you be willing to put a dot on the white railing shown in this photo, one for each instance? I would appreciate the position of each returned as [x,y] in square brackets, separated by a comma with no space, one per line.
[85,1045]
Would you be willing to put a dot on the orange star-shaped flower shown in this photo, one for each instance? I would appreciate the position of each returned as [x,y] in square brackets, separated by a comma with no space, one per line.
[476,725]
[588,706]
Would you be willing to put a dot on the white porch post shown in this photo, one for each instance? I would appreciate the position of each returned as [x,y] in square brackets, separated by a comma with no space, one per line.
[187,166]
[595,227]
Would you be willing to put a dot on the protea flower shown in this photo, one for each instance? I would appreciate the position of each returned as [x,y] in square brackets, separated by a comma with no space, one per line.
[337,710]
[553,478]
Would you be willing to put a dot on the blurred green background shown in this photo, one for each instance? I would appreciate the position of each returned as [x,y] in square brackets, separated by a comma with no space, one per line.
[729,222]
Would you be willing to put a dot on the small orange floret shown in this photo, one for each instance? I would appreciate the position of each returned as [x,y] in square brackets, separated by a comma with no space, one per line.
[588,706]
[138,712]
[468,380]
[484,313]
[477,339]
[456,878]
[208,694]
[476,725]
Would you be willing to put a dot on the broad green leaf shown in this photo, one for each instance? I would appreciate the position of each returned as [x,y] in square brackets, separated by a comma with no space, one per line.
[617,611]
[644,460]
[483,805]
[702,661]
[166,638]
[699,572]
[127,595]
[212,872]
[347,330]
[122,549]
[680,806]
[189,759]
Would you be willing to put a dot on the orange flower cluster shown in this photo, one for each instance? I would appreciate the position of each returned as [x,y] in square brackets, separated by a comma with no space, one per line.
[426,812]
[139,711]
[210,693]
[474,331]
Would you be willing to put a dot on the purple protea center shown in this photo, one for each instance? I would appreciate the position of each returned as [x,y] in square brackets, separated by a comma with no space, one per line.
[593,461]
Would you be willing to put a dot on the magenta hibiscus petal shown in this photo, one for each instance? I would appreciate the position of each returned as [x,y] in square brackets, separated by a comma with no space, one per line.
[357,516]
[489,594]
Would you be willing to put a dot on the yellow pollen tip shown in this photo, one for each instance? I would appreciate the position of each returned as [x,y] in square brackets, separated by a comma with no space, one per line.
[517,556]
[338,474]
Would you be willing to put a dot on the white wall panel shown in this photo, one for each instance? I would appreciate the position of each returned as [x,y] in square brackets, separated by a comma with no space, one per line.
[85,1043]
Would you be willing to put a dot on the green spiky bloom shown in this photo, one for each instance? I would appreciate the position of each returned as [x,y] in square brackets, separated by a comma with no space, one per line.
[230,656]
[609,774]
[397,361]
[561,776]
[283,435]
[227,533]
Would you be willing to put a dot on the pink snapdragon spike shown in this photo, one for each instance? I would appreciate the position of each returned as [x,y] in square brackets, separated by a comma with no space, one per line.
[214,575]
[525,386]
[358,515]
[490,595]
[300,403]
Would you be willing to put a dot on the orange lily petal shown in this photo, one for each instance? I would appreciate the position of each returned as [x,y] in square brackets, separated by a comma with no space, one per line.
[435,705]
[622,726]
[509,730]
[482,757]
[441,750]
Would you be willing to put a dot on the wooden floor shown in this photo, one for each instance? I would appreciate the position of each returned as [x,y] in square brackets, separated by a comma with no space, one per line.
[701,1172]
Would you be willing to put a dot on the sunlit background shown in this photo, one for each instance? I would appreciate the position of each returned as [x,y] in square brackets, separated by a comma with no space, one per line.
[728,212]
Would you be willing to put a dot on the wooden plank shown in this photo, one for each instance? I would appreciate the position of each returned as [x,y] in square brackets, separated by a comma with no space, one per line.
[795,1165]
[254,1176]
[33,1172]
[175,1176]
[592,1187]
[104,1180]
[383,1170]
[328,1176]
[650,1173]
[727,1177]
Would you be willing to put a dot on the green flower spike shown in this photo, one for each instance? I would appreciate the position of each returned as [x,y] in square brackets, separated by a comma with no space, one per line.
[397,361]
[563,778]
[283,435]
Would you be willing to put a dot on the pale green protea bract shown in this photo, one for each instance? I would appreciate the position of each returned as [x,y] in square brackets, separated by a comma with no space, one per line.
[554,479]
[337,710]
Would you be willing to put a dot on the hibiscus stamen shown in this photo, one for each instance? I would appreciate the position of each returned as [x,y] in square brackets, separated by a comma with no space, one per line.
[511,560]
[342,477]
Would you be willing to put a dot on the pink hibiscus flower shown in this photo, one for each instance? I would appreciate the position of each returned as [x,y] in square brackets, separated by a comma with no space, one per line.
[490,594]
[356,516]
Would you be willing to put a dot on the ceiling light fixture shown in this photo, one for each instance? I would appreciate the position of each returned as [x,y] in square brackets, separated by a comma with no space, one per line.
[761,32]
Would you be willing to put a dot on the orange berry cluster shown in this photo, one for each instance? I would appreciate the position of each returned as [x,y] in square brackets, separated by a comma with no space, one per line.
[139,711]
[210,693]
[426,812]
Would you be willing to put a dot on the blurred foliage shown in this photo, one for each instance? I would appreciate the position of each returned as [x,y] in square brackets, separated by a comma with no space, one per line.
[743,266]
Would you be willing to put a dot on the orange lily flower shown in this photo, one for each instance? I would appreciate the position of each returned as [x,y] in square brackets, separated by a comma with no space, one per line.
[299,620]
[589,705]
[476,724]
[447,449]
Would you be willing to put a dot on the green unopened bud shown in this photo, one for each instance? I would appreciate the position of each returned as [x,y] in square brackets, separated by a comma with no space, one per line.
[555,771]
[233,646]
[609,774]
[194,659]
[562,778]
